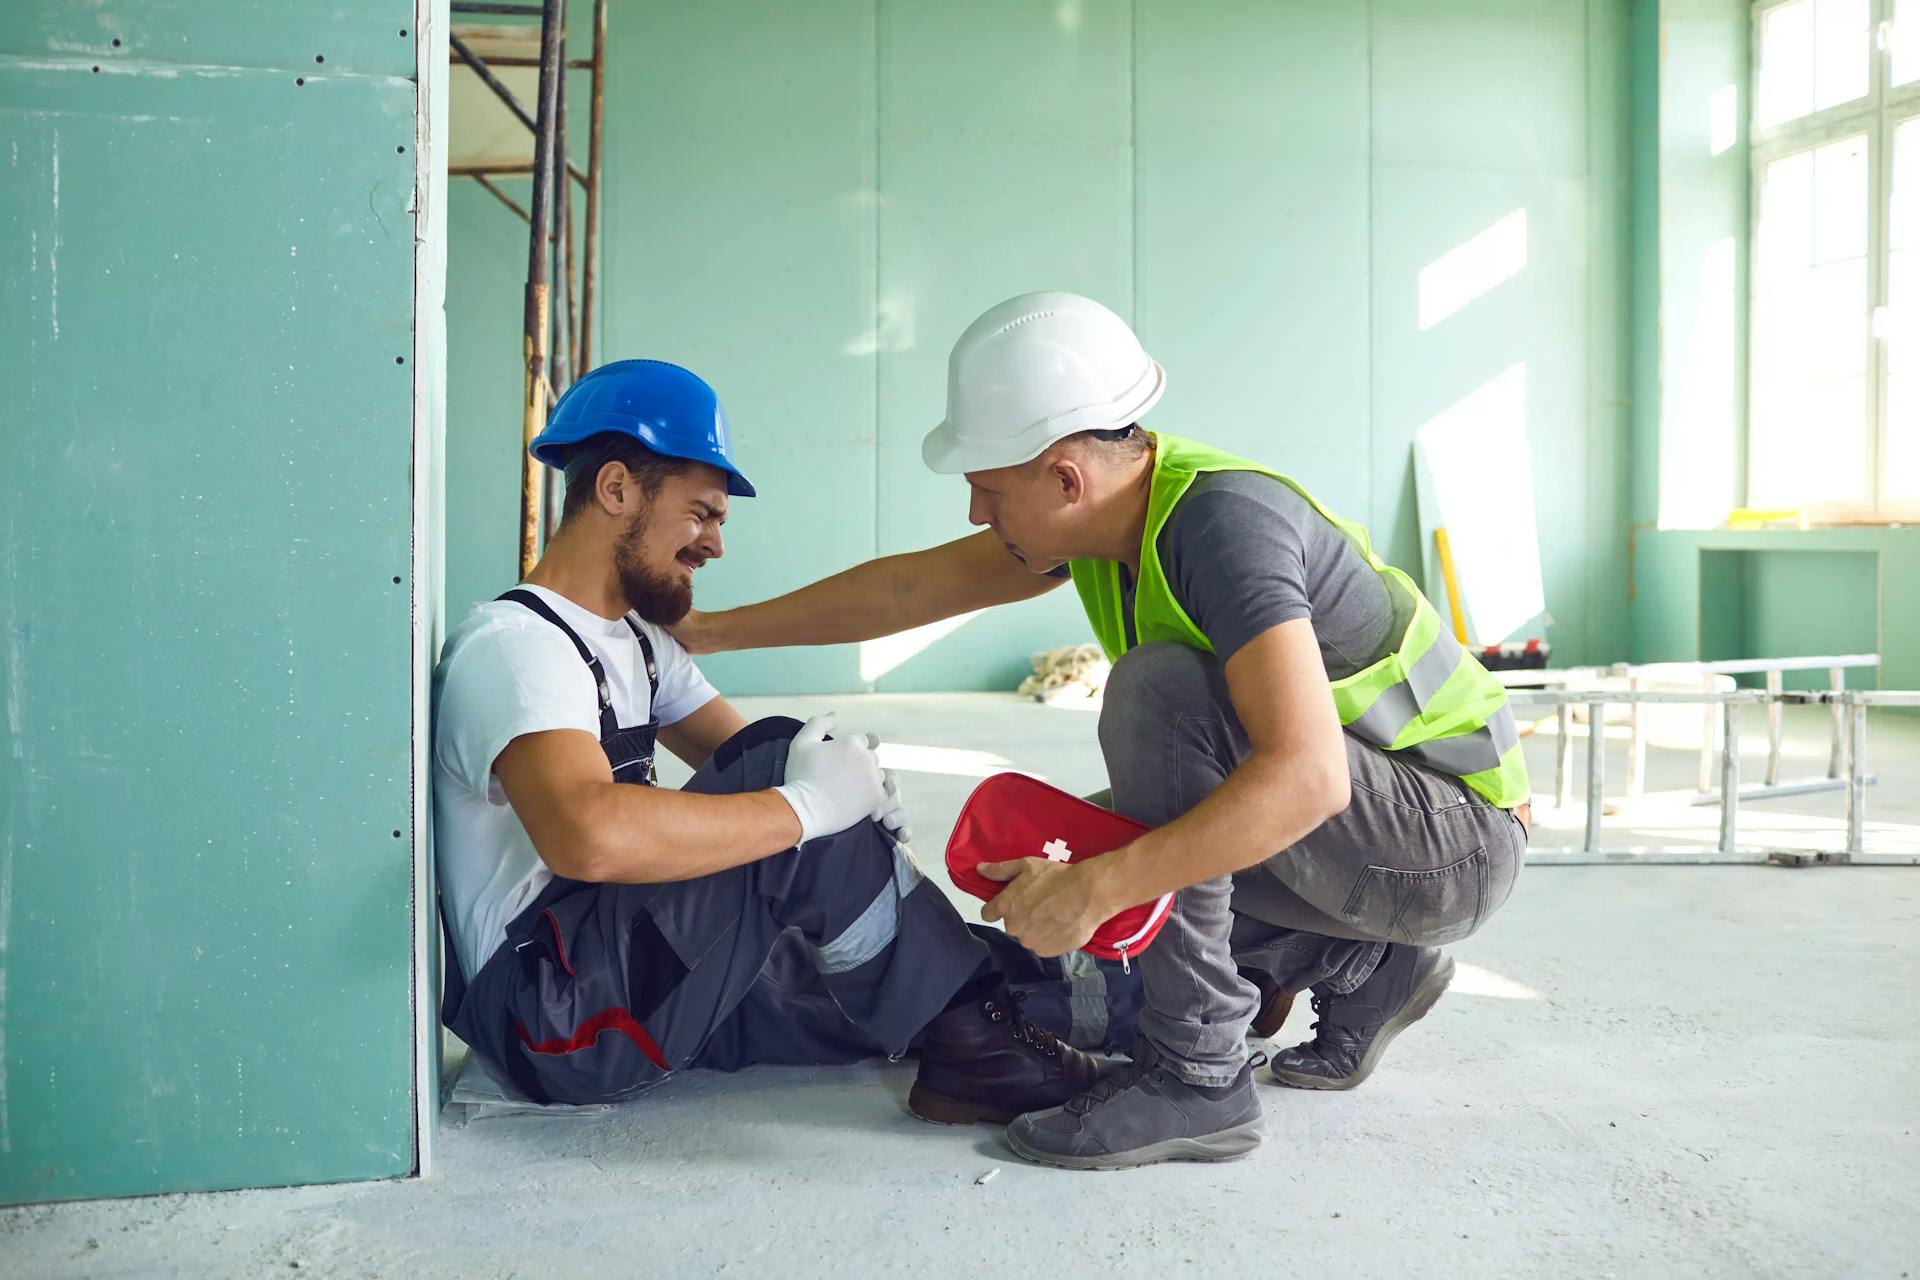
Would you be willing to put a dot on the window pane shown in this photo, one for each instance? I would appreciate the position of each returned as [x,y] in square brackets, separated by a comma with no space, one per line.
[1810,444]
[1903,221]
[1906,42]
[1903,437]
[1840,200]
[1810,339]
[1840,52]
[1786,211]
[1903,318]
[1786,62]
[1835,320]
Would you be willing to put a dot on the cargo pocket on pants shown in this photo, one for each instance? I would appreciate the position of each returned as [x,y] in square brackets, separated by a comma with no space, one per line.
[1424,908]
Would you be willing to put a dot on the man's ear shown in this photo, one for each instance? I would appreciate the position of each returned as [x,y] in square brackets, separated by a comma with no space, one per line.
[1069,478]
[612,487]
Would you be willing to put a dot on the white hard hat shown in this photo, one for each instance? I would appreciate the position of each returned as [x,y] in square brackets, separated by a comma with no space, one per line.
[1036,369]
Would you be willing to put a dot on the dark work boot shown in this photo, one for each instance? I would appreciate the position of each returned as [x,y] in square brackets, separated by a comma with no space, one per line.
[1355,1029]
[1143,1114]
[1275,1004]
[986,1062]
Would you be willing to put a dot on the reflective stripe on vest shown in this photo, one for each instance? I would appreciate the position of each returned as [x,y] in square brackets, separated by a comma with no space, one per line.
[1429,698]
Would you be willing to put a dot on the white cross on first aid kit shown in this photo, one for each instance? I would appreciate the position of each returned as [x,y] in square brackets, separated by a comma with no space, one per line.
[1056,850]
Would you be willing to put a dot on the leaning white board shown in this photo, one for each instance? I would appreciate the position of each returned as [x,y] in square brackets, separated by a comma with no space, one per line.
[1474,477]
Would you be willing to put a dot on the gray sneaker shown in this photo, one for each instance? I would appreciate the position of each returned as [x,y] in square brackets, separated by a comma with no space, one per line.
[1355,1029]
[1142,1114]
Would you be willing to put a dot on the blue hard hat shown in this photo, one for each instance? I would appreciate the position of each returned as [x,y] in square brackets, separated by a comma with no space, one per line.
[664,407]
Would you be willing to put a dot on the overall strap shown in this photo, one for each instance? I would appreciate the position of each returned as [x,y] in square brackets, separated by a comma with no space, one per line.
[609,725]
[653,670]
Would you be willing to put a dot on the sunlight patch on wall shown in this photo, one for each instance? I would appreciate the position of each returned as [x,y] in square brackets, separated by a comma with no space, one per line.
[1473,268]
[1479,466]
[878,657]
[1698,441]
[1723,119]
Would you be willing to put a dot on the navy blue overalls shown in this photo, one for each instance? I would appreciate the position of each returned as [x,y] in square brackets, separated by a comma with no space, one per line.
[829,952]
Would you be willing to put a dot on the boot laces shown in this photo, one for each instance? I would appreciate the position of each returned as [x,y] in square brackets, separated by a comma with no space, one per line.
[1321,1004]
[1337,1040]
[1030,1032]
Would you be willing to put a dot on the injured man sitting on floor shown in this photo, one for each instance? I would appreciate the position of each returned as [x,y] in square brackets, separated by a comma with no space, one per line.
[605,932]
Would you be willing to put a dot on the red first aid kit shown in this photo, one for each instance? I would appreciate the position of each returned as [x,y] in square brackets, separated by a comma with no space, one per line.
[1011,815]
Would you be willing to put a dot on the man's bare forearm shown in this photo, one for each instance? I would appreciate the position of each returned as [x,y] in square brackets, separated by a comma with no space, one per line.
[878,598]
[861,603]
[650,835]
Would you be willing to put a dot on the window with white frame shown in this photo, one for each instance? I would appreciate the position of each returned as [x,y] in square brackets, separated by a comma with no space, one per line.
[1834,347]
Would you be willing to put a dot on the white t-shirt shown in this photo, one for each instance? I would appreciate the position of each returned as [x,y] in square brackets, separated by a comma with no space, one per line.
[505,671]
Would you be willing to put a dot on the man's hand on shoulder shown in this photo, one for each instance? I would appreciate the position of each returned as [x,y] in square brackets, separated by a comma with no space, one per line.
[695,633]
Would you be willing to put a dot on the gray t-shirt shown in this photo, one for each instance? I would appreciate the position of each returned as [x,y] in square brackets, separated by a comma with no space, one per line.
[1245,553]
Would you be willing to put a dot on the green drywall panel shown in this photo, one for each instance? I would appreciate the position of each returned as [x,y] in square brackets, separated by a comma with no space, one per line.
[739,241]
[1810,602]
[308,40]
[1724,615]
[1781,603]
[205,863]
[1643,327]
[1451,158]
[1251,247]
[1670,599]
[486,278]
[983,196]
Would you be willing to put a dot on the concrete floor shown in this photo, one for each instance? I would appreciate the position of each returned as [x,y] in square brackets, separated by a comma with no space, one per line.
[1664,1071]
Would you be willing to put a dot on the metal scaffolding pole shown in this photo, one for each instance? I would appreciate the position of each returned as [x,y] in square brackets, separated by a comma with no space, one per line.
[562,376]
[556,345]
[533,408]
[560,321]
[590,257]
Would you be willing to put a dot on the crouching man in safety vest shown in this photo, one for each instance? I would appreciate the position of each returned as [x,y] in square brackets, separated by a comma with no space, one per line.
[1336,786]
[604,931]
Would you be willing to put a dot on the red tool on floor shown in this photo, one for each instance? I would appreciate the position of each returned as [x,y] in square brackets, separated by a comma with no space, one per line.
[1011,815]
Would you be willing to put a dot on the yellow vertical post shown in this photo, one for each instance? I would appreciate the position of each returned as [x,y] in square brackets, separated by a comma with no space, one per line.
[1445,551]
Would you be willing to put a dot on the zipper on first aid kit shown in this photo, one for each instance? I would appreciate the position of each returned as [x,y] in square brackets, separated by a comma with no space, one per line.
[1153,918]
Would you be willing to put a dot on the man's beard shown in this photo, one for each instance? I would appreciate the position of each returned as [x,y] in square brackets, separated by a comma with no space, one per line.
[660,598]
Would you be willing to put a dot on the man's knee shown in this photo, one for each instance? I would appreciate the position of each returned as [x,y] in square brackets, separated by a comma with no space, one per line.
[1154,683]
[752,759]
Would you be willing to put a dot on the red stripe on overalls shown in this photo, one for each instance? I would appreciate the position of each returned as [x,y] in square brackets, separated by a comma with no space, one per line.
[588,1032]
[559,947]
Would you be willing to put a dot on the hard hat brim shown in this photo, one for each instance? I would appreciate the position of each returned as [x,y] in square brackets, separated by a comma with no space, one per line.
[669,409]
[551,450]
[946,452]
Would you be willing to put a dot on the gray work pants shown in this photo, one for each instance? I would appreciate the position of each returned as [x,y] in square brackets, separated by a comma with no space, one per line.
[1417,857]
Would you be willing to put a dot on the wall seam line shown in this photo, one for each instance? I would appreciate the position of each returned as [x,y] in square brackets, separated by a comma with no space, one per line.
[1590,594]
[1373,408]
[873,457]
[1137,312]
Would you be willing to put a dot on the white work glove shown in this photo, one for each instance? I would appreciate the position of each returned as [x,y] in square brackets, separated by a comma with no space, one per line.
[892,813]
[831,784]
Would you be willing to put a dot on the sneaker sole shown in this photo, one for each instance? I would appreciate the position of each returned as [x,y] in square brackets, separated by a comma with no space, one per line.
[1228,1144]
[936,1108]
[1425,996]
